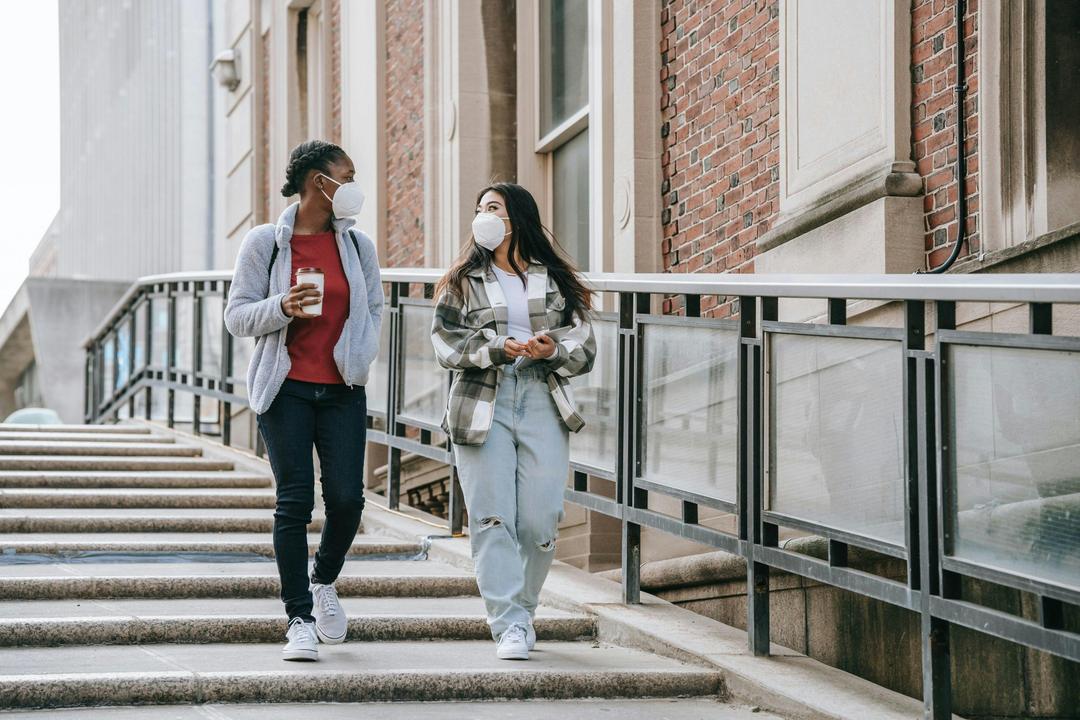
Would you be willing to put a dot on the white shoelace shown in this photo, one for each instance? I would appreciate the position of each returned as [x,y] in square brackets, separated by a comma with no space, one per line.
[303,626]
[515,633]
[328,600]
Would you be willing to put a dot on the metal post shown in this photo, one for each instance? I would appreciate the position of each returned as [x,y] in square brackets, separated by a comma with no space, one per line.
[115,369]
[149,330]
[751,460]
[393,465]
[1040,318]
[88,385]
[196,359]
[933,632]
[914,420]
[837,311]
[170,360]
[627,456]
[226,372]
[132,329]
[456,514]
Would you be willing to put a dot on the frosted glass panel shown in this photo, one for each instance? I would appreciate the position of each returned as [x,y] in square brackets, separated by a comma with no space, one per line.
[185,314]
[837,433]
[141,315]
[380,372]
[108,367]
[159,350]
[1016,434]
[424,384]
[123,358]
[597,396]
[691,409]
[213,309]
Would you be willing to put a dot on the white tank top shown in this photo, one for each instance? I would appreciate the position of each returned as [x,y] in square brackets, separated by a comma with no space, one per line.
[517,304]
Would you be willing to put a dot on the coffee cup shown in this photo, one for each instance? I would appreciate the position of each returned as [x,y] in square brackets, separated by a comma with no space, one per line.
[314,276]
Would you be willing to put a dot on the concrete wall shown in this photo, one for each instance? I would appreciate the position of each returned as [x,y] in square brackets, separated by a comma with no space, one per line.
[992,678]
[46,324]
[134,133]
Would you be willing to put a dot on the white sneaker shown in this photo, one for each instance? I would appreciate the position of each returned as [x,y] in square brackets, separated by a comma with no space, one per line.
[302,643]
[530,636]
[512,645]
[331,624]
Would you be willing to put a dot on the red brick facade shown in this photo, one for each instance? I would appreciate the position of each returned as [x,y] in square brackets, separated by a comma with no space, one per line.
[719,109]
[933,121]
[404,133]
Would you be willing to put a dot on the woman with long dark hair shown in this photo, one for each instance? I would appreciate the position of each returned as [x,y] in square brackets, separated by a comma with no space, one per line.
[308,288]
[512,321]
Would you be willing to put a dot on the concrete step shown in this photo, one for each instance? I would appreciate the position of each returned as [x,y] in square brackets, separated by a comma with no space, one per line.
[124,543]
[138,498]
[256,620]
[97,449]
[98,463]
[366,578]
[374,671]
[696,708]
[125,479]
[104,436]
[185,520]
[76,429]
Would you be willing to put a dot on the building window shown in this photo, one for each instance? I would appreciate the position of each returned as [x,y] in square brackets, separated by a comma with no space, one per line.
[564,120]
[309,115]
[1031,176]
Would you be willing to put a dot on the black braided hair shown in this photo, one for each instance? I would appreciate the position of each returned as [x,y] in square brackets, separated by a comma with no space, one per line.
[310,155]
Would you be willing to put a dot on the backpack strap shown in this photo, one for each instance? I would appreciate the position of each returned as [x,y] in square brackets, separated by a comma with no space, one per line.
[274,252]
[273,257]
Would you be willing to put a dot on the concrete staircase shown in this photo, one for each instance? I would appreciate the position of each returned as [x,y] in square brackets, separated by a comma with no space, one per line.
[137,571]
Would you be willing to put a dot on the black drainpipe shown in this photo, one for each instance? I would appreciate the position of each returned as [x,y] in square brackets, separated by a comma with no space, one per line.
[961,160]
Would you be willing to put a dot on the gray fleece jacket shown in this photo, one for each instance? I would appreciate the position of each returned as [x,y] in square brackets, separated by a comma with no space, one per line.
[254,307]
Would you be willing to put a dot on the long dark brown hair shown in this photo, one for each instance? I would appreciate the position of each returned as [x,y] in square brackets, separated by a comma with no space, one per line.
[530,241]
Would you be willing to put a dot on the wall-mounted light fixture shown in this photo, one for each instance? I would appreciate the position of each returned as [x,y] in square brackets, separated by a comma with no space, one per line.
[226,70]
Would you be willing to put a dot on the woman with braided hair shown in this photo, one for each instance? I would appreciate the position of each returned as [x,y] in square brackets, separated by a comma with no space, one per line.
[307,374]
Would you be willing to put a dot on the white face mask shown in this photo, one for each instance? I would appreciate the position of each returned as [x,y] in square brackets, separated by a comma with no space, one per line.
[348,200]
[488,230]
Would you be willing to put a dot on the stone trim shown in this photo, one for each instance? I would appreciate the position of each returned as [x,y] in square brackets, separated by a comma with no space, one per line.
[994,259]
[884,183]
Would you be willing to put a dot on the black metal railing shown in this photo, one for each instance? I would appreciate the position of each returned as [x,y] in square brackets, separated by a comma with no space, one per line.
[903,419]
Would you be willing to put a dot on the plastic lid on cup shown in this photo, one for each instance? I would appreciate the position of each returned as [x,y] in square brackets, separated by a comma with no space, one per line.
[308,270]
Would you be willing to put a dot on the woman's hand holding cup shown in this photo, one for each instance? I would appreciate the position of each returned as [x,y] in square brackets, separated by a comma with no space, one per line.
[298,296]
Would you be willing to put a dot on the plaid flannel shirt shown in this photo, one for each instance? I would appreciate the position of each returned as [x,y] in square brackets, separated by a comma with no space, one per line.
[469,335]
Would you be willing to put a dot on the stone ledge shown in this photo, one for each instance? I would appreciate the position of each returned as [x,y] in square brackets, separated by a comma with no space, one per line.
[863,191]
[1016,258]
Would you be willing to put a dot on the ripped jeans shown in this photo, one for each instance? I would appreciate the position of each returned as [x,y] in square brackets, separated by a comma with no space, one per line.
[513,487]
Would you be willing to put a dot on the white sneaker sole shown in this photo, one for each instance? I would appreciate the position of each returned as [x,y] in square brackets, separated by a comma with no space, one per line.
[513,654]
[300,655]
[328,639]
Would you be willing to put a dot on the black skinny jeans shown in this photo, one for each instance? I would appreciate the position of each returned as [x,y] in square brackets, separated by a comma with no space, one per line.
[333,420]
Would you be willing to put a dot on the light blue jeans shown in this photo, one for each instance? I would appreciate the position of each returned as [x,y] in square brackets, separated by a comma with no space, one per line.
[513,487]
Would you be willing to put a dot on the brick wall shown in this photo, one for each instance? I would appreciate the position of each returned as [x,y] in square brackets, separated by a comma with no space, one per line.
[933,121]
[720,125]
[404,133]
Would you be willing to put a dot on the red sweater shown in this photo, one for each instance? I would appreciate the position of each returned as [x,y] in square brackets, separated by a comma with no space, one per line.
[311,342]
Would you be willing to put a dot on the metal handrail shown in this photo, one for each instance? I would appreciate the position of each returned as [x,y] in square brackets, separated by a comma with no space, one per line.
[931,586]
[1048,287]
